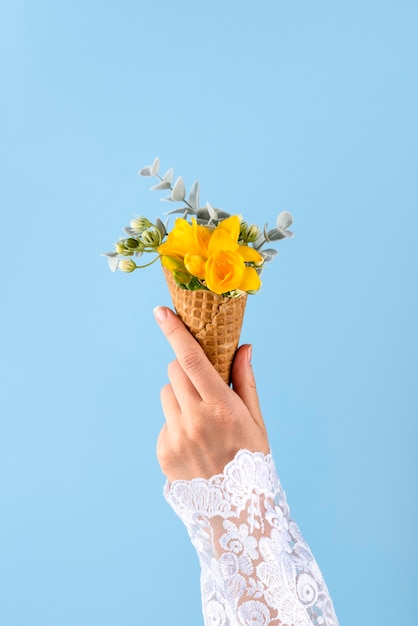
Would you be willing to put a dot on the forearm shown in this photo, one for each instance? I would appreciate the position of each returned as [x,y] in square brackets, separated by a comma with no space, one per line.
[256,568]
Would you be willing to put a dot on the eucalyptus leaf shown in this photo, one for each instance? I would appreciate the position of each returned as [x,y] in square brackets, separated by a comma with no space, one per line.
[202,214]
[160,186]
[267,257]
[155,167]
[161,227]
[179,191]
[213,214]
[266,236]
[259,241]
[188,210]
[284,220]
[275,234]
[194,195]
[285,233]
[168,176]
[113,263]
[270,252]
[216,215]
[222,215]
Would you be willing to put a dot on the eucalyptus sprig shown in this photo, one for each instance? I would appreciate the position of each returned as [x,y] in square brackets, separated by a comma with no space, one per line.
[145,236]
[209,215]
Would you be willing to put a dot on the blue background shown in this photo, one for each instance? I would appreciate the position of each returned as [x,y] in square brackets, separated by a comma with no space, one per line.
[303,106]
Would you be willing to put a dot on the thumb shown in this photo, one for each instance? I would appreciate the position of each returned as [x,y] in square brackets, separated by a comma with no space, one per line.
[243,381]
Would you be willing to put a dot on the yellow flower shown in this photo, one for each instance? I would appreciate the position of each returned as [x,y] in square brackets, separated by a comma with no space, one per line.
[211,255]
[195,264]
[188,244]
[250,281]
[226,271]
[232,225]
[225,237]
[173,263]
[177,268]
[185,239]
[226,268]
[250,255]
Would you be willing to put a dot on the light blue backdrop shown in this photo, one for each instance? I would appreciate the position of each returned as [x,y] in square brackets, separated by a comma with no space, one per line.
[303,106]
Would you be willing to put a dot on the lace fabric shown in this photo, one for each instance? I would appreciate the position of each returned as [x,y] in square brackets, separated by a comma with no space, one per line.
[256,569]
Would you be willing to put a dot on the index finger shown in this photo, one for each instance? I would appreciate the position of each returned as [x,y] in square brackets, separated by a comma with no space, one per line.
[189,354]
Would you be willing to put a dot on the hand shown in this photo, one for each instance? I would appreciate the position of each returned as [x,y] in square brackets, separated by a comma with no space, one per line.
[207,422]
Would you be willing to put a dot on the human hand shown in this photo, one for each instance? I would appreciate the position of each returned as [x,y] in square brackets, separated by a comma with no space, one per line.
[207,422]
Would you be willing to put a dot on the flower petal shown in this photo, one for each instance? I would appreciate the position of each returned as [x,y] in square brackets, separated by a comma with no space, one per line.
[195,264]
[232,225]
[224,271]
[186,238]
[221,241]
[250,255]
[173,263]
[250,280]
[202,237]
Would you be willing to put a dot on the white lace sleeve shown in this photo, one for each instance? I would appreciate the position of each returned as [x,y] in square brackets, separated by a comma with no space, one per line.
[256,568]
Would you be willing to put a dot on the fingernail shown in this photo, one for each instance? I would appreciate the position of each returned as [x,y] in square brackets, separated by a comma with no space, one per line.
[160,314]
[250,354]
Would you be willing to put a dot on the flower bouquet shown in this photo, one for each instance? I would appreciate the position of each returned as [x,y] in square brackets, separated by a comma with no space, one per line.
[211,261]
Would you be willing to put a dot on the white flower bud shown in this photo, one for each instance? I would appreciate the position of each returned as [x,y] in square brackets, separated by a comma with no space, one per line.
[127,265]
[151,237]
[139,224]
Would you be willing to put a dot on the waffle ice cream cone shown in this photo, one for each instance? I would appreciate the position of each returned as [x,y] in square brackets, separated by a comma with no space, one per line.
[214,320]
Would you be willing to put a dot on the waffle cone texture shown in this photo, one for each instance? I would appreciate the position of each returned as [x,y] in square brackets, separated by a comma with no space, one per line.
[215,321]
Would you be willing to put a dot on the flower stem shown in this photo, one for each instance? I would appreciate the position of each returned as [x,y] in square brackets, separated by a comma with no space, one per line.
[138,267]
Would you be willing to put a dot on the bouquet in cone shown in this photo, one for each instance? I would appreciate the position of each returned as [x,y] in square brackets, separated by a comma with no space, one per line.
[211,261]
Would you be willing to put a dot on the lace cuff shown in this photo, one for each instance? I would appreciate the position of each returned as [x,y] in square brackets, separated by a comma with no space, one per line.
[256,567]
[249,474]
